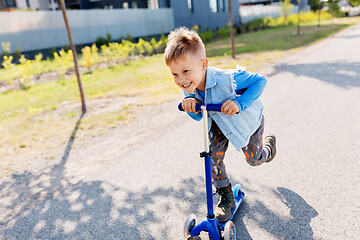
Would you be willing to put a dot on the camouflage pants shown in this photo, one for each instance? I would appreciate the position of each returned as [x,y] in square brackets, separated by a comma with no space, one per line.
[254,152]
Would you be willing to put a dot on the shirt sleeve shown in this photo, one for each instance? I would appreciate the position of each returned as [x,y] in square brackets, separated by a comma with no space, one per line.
[195,116]
[251,85]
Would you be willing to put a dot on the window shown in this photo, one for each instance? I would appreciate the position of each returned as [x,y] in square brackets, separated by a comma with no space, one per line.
[10,3]
[7,3]
[134,4]
[153,4]
[221,5]
[213,6]
[226,5]
[190,5]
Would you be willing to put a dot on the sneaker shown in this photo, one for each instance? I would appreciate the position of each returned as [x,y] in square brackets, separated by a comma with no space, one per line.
[270,141]
[225,205]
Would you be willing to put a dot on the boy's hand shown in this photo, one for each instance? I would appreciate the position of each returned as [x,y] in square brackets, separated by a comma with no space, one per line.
[189,104]
[230,108]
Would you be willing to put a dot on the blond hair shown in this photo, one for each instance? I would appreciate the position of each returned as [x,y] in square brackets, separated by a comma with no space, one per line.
[183,41]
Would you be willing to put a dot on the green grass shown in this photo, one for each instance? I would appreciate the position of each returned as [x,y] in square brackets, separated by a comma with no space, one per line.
[25,114]
[281,38]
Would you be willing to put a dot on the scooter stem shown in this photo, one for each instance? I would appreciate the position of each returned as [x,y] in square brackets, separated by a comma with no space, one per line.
[205,121]
[206,154]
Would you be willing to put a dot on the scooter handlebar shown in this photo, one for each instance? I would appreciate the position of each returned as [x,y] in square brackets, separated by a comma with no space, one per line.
[209,107]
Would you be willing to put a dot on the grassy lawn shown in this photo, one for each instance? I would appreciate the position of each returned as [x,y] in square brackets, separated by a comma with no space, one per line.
[44,115]
[281,38]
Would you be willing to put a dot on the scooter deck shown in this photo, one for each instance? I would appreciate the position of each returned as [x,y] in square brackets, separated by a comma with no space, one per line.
[238,200]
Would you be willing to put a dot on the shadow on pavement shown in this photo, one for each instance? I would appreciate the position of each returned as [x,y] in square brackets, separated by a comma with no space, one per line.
[49,205]
[296,227]
[86,210]
[344,74]
[280,227]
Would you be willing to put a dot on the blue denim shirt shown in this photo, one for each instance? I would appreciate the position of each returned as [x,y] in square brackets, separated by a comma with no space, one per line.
[240,86]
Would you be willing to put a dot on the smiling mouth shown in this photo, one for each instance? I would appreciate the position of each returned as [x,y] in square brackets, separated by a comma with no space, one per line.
[186,85]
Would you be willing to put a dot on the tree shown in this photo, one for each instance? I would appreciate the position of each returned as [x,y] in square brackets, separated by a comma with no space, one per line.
[298,27]
[354,3]
[286,9]
[83,106]
[333,8]
[314,5]
[231,30]
[319,12]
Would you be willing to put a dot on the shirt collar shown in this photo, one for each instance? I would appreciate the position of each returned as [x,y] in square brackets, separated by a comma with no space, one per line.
[210,78]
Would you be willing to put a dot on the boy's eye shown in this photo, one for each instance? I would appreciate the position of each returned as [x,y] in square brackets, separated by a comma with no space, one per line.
[186,71]
[175,74]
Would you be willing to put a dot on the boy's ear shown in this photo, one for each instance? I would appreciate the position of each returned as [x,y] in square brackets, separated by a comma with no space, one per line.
[205,63]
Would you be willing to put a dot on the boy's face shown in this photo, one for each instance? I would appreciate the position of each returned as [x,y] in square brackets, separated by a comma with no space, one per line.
[189,72]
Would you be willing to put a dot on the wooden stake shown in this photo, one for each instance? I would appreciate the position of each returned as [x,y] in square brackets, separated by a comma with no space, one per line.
[63,9]
[319,10]
[231,30]
[298,27]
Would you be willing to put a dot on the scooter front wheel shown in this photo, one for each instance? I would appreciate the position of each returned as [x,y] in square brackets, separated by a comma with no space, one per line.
[230,231]
[189,225]
[237,190]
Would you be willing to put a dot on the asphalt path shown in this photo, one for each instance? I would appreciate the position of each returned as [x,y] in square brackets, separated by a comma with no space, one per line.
[309,191]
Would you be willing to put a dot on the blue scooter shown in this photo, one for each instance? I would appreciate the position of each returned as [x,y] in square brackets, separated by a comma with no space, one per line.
[210,223]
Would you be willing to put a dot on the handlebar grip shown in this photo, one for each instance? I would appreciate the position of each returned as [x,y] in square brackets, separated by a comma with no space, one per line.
[214,107]
[180,107]
[209,107]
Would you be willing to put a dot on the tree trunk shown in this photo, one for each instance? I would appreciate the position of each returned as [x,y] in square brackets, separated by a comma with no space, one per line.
[63,9]
[332,11]
[319,13]
[231,30]
[298,27]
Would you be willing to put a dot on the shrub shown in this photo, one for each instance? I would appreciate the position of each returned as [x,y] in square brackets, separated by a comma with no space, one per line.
[17,53]
[286,9]
[38,59]
[129,46]
[224,32]
[66,48]
[9,68]
[108,37]
[64,60]
[25,71]
[196,28]
[6,49]
[129,37]
[125,50]
[106,52]
[149,49]
[207,35]
[94,52]
[256,24]
[7,62]
[293,19]
[157,46]
[52,51]
[87,57]
[101,41]
[140,48]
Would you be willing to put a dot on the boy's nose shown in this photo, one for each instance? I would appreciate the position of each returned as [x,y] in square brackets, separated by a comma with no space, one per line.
[183,80]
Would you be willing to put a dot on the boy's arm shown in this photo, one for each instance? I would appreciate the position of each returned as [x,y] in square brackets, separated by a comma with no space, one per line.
[254,85]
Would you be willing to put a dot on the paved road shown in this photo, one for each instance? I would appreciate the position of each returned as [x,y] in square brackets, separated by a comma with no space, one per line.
[310,191]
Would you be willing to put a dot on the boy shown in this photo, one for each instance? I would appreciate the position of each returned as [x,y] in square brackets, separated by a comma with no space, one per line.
[241,121]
